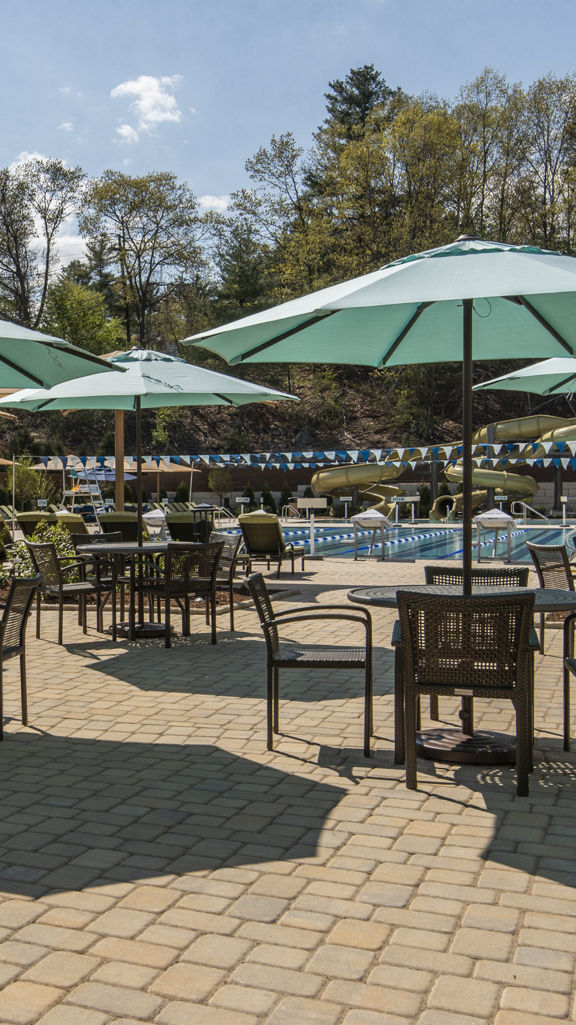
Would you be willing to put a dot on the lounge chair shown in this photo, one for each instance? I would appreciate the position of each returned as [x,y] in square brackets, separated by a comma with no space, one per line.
[29,521]
[264,541]
[125,522]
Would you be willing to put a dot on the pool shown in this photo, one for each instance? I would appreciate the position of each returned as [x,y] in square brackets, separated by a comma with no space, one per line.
[421,541]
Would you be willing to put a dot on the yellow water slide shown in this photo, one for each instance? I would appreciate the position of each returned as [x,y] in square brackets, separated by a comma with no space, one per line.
[538,426]
[368,477]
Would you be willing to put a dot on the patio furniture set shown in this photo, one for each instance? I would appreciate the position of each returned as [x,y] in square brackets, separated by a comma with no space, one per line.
[474,646]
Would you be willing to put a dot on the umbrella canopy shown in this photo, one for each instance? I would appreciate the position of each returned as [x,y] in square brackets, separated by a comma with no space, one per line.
[549,377]
[151,380]
[32,359]
[472,298]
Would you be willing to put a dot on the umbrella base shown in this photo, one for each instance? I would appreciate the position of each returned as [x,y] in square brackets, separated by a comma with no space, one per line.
[146,631]
[483,748]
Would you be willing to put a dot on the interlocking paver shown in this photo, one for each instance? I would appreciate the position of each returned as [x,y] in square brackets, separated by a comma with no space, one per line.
[157,863]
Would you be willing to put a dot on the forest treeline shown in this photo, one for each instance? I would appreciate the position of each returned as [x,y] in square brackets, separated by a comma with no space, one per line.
[385,174]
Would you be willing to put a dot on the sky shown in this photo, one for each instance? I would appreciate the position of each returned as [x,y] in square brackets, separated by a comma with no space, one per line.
[195,87]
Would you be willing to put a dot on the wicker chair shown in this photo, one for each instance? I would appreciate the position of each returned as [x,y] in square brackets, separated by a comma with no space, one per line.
[490,576]
[475,646]
[227,565]
[15,613]
[302,656]
[554,570]
[189,572]
[53,571]
[265,542]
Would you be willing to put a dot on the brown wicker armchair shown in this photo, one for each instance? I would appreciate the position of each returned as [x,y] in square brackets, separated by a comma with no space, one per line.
[475,646]
[482,576]
[53,571]
[189,572]
[554,570]
[227,565]
[302,656]
[15,613]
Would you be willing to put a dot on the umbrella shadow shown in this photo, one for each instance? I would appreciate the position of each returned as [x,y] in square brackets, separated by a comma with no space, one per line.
[81,813]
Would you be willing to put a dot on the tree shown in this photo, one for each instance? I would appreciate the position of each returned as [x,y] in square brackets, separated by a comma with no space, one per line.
[149,229]
[350,102]
[220,481]
[36,198]
[79,315]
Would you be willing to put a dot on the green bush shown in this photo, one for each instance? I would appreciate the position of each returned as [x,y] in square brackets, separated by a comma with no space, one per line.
[45,532]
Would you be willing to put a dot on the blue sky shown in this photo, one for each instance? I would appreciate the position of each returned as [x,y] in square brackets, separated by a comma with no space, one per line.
[196,87]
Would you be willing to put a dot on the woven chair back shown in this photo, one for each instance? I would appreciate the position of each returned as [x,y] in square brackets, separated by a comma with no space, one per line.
[45,561]
[259,594]
[552,565]
[15,614]
[464,642]
[490,576]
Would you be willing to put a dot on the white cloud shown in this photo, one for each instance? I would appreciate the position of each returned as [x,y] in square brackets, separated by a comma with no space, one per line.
[219,203]
[25,156]
[70,247]
[127,133]
[153,103]
[66,126]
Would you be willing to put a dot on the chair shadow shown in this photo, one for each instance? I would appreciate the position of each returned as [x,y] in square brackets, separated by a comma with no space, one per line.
[82,813]
[533,834]
[193,669]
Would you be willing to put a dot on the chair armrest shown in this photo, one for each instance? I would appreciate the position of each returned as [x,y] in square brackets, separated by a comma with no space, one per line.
[397,634]
[352,616]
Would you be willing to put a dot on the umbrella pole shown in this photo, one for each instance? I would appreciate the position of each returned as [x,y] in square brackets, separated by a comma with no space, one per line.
[139,468]
[467,445]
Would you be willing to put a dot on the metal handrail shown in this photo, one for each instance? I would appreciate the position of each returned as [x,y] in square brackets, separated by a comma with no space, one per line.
[518,508]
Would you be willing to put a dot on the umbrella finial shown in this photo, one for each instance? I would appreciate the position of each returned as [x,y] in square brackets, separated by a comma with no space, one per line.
[468,237]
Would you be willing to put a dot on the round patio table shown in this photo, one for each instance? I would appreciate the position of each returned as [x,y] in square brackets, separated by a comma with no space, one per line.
[120,550]
[453,745]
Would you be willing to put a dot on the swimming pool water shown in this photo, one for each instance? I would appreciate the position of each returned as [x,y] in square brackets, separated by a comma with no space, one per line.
[422,541]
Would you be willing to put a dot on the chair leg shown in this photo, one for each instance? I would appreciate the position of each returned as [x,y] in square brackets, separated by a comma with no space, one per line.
[38,606]
[434,709]
[270,709]
[568,653]
[410,739]
[276,701]
[399,726]
[167,625]
[60,621]
[1,702]
[542,631]
[522,746]
[213,615]
[23,690]
[231,601]
[368,710]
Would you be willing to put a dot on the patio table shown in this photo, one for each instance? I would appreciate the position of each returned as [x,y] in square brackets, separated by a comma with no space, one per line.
[453,745]
[135,554]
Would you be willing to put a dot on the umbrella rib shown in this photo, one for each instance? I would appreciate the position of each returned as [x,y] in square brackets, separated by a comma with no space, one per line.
[559,386]
[400,338]
[20,370]
[224,398]
[285,334]
[522,301]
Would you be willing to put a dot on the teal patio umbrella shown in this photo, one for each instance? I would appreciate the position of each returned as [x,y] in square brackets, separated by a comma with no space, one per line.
[548,377]
[151,380]
[32,359]
[468,300]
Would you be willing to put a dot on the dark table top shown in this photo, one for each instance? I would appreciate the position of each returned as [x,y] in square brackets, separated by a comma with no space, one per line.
[546,599]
